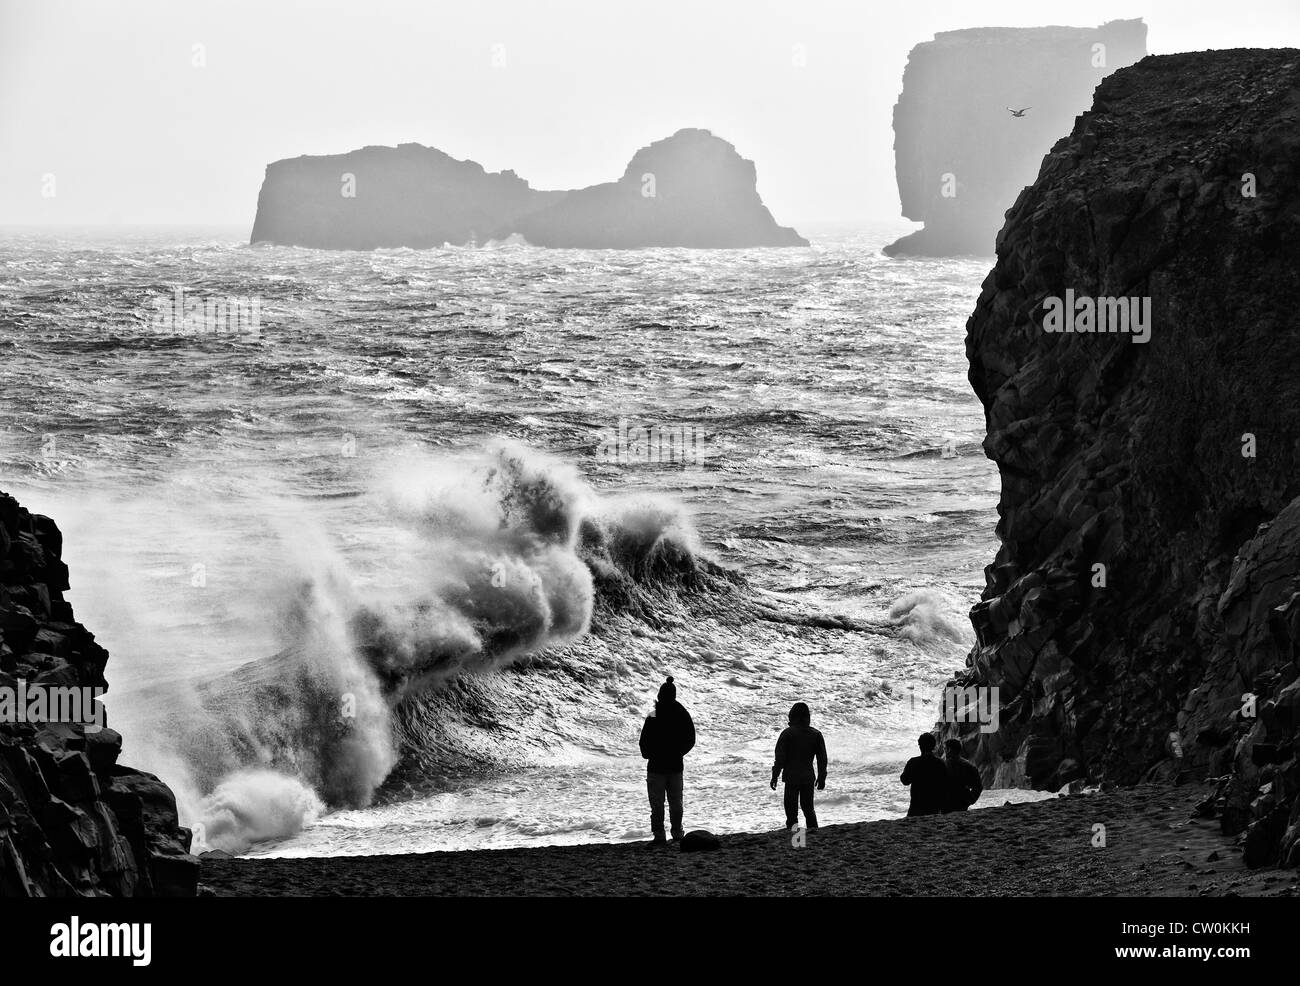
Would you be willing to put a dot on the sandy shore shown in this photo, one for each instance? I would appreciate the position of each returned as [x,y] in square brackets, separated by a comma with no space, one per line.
[1153,847]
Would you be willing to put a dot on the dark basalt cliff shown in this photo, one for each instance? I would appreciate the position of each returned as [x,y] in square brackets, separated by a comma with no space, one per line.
[689,190]
[960,158]
[1142,617]
[72,820]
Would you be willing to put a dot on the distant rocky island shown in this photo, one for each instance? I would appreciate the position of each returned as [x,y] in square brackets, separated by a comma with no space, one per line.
[1142,617]
[960,156]
[689,190]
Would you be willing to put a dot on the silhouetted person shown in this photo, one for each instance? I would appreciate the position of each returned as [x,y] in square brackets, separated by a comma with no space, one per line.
[796,749]
[964,783]
[666,737]
[928,779]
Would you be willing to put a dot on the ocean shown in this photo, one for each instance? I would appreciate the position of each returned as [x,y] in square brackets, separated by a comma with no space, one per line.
[395,557]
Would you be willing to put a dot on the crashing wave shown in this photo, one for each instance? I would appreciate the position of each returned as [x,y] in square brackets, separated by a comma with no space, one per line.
[511,556]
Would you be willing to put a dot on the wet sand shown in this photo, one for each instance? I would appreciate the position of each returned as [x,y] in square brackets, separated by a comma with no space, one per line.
[1153,847]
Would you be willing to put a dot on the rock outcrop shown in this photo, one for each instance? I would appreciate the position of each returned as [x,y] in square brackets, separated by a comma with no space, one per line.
[690,190]
[404,196]
[961,159]
[72,820]
[1142,617]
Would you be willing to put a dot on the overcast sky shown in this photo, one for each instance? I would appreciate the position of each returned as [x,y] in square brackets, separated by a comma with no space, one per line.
[105,95]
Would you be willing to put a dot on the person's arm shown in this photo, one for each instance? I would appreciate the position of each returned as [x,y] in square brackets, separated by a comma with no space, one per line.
[907,773]
[645,739]
[821,761]
[778,763]
[688,733]
[975,784]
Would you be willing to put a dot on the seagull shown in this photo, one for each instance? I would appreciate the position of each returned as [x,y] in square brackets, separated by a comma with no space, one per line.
[1019,112]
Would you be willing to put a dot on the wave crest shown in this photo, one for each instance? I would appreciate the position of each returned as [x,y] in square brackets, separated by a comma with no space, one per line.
[507,556]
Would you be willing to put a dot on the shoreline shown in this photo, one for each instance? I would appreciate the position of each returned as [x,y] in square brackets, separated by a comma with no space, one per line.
[1154,846]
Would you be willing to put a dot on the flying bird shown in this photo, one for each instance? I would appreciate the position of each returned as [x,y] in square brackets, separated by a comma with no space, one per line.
[1019,112]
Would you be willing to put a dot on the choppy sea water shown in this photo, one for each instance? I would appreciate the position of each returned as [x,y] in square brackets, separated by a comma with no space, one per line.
[201,473]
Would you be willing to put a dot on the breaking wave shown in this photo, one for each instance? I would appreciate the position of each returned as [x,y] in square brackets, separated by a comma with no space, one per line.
[509,555]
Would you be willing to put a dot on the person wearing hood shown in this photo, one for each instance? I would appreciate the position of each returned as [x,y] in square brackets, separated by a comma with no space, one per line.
[797,749]
[666,737]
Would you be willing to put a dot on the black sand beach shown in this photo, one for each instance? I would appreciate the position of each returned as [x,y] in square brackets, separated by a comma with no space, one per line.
[1153,847]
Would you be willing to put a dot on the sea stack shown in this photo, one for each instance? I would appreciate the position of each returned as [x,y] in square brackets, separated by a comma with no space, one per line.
[404,196]
[689,190]
[960,156]
[1142,617]
[73,821]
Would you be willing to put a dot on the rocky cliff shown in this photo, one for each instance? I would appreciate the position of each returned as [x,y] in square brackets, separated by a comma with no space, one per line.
[1142,616]
[72,820]
[960,157]
[689,190]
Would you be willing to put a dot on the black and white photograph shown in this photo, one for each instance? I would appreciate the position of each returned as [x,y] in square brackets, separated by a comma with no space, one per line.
[559,453]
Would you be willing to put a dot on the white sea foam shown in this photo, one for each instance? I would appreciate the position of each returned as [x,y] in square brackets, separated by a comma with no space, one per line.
[253,806]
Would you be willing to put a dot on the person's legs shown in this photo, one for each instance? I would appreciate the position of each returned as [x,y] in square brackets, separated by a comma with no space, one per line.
[791,806]
[806,802]
[656,785]
[676,786]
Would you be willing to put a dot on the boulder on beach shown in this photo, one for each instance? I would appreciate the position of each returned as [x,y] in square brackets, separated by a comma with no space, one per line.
[700,840]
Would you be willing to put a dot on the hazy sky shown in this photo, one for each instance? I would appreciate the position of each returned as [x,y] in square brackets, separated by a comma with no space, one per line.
[106,97]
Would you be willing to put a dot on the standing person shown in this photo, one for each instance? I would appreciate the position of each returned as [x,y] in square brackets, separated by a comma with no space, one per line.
[928,779]
[796,749]
[964,782]
[667,735]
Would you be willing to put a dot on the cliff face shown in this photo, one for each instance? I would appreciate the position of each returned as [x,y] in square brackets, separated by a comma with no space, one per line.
[690,190]
[961,159]
[72,820]
[1142,616]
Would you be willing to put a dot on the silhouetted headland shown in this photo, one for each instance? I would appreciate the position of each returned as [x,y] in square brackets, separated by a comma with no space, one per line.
[73,821]
[1142,617]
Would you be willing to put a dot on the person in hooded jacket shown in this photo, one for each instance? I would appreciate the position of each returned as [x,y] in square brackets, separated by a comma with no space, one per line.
[798,747]
[666,737]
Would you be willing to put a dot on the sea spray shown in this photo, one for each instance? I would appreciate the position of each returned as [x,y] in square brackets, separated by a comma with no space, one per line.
[930,620]
[253,806]
[492,558]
